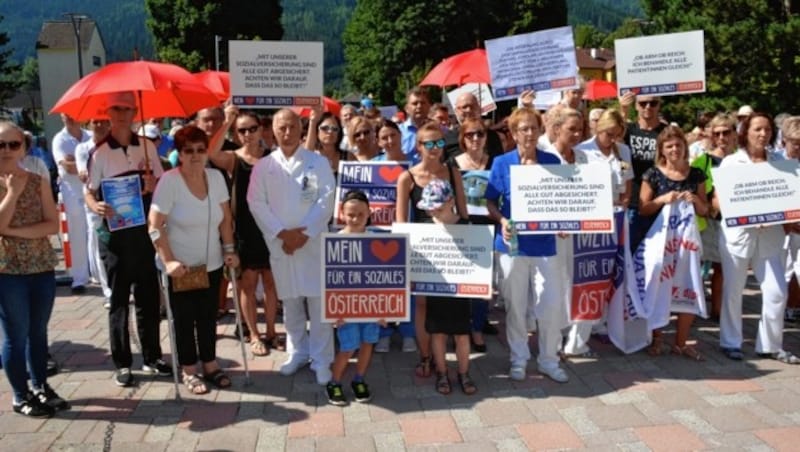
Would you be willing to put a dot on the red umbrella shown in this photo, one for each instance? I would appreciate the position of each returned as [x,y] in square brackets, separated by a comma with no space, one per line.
[466,67]
[599,89]
[162,90]
[218,82]
[328,105]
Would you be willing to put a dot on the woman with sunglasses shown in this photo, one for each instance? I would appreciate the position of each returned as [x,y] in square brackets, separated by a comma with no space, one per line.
[363,140]
[190,205]
[28,217]
[722,133]
[430,146]
[325,136]
[250,244]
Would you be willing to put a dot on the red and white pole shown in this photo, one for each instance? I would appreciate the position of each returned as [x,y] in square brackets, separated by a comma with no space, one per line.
[62,214]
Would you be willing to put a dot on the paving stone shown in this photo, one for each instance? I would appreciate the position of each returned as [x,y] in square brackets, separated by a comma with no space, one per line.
[441,430]
[388,442]
[731,419]
[784,438]
[616,417]
[549,435]
[494,413]
[352,443]
[317,425]
[579,420]
[692,420]
[228,438]
[669,438]
[271,439]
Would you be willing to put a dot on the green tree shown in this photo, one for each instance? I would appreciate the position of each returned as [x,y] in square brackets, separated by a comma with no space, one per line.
[9,71]
[750,48]
[387,44]
[587,36]
[184,30]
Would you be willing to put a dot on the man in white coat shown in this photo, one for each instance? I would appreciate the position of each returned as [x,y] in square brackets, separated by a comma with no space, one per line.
[291,198]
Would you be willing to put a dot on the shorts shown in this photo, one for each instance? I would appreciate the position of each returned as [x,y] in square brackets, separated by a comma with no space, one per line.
[352,335]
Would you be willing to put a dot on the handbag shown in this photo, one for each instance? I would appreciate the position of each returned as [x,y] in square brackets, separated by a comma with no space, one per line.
[196,277]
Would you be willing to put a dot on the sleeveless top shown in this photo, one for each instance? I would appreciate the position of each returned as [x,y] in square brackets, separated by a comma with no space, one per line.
[20,256]
[419,215]
[246,227]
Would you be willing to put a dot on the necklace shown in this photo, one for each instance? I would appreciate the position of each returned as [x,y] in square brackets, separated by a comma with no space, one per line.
[472,163]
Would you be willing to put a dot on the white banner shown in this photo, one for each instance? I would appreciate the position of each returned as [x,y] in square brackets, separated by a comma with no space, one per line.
[450,260]
[661,65]
[759,193]
[480,91]
[274,74]
[541,61]
[574,199]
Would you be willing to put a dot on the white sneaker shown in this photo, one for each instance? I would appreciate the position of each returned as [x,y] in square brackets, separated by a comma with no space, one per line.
[383,345]
[293,364]
[556,374]
[517,372]
[324,376]
[409,344]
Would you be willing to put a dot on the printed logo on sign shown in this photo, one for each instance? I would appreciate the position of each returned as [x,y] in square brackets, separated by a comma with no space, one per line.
[384,251]
[389,174]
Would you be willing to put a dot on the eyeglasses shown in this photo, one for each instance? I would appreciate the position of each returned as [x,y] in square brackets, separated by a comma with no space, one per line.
[475,134]
[649,103]
[362,133]
[10,145]
[721,133]
[191,151]
[430,144]
[329,129]
[245,130]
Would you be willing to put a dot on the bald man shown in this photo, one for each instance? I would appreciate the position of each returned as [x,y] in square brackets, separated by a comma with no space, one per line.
[467,107]
[291,198]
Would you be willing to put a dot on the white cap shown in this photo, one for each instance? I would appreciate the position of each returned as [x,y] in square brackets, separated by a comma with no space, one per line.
[149,131]
[745,110]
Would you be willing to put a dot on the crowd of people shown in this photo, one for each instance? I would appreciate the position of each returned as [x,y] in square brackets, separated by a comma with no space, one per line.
[240,195]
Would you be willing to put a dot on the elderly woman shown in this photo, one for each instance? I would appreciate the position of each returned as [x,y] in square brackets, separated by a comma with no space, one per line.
[189,218]
[363,139]
[535,265]
[27,277]
[759,248]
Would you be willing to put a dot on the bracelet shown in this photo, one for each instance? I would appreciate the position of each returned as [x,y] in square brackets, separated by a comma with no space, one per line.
[228,248]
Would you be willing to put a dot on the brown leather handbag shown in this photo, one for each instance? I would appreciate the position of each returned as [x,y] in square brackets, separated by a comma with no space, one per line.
[196,277]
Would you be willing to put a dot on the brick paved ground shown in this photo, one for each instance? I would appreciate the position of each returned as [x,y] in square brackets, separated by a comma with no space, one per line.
[613,403]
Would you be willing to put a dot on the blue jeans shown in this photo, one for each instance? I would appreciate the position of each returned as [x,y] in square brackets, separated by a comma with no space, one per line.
[26,302]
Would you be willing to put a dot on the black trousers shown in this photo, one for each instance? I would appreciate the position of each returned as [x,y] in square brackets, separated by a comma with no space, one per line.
[194,313]
[129,259]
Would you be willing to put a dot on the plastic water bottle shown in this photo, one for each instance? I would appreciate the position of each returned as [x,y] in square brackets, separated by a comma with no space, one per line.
[513,242]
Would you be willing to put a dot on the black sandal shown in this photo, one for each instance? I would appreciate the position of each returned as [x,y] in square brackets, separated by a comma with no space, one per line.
[443,383]
[467,385]
[423,369]
[219,379]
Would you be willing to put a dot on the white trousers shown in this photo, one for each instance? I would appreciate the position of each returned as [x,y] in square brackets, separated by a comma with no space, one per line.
[74,205]
[769,271]
[96,267]
[578,335]
[532,283]
[316,343]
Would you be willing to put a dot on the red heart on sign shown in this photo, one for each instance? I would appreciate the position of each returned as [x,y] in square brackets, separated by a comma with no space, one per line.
[390,173]
[249,100]
[533,226]
[384,251]
[742,220]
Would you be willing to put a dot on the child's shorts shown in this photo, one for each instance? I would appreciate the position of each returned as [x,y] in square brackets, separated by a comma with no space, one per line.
[352,335]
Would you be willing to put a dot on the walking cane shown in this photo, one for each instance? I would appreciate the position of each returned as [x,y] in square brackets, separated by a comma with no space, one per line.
[235,288]
[171,328]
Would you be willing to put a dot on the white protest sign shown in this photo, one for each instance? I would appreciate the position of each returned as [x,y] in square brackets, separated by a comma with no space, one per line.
[480,91]
[450,260]
[661,65]
[541,61]
[574,199]
[759,193]
[274,74]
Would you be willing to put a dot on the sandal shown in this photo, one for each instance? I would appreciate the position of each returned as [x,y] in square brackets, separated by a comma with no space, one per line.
[656,347]
[195,384]
[467,385]
[275,342]
[259,348]
[443,383]
[782,356]
[423,369]
[219,379]
[688,351]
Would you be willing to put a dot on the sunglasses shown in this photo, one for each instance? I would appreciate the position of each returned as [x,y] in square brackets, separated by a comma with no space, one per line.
[192,151]
[362,133]
[475,134]
[721,133]
[649,103]
[245,130]
[430,144]
[329,129]
[10,145]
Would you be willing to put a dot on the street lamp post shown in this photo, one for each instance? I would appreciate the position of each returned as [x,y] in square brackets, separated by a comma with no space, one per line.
[76,19]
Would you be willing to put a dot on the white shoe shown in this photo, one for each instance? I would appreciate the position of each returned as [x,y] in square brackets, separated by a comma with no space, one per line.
[409,344]
[324,376]
[517,372]
[383,345]
[291,366]
[556,374]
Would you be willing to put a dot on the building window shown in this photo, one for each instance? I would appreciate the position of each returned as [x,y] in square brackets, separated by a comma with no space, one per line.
[97,61]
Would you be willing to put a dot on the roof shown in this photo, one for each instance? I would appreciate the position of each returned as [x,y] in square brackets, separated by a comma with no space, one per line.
[604,58]
[60,34]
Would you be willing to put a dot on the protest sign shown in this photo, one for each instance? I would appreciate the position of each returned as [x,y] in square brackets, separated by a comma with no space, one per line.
[365,277]
[541,61]
[480,91]
[450,260]
[124,195]
[274,74]
[759,193]
[378,180]
[574,199]
[661,65]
